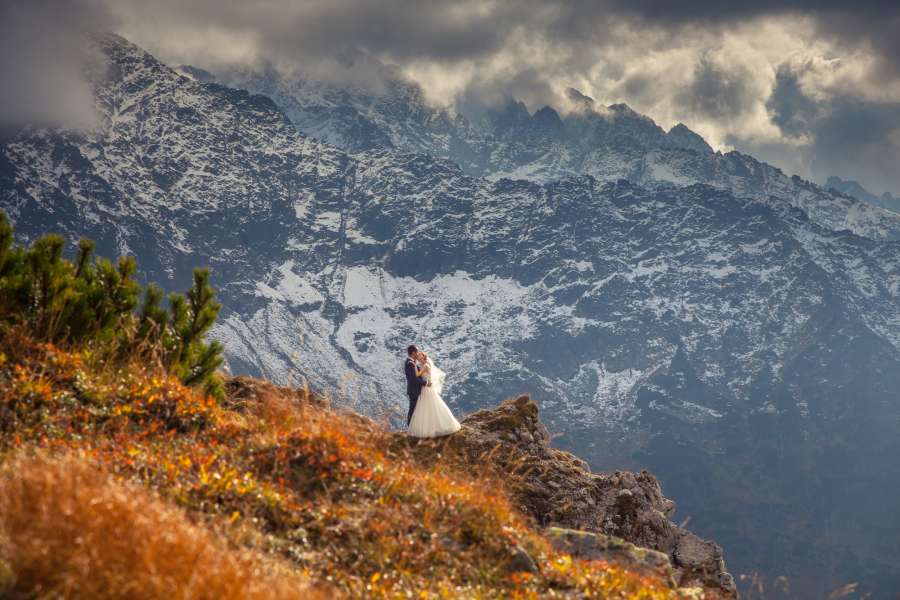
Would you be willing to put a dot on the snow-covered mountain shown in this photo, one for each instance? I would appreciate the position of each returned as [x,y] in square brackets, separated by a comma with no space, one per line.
[854,189]
[735,345]
[609,143]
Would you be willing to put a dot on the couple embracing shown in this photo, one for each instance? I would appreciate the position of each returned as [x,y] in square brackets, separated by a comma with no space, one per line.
[428,416]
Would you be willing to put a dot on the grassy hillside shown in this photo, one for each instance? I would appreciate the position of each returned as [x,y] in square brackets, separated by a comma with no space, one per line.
[119,478]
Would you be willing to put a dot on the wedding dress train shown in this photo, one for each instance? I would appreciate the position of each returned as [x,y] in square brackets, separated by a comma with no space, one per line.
[432,417]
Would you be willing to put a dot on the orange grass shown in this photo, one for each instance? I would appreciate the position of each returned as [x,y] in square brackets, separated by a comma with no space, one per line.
[282,474]
[69,530]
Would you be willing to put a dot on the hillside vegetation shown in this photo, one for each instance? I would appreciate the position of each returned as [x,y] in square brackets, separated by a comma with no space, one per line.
[130,470]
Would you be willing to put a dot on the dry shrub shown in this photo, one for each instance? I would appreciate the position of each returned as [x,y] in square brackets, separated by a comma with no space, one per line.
[274,407]
[70,530]
[279,410]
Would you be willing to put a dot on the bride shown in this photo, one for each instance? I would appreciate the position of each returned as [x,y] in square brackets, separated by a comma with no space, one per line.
[431,418]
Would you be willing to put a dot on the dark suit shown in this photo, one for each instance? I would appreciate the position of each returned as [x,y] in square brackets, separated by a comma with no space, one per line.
[414,385]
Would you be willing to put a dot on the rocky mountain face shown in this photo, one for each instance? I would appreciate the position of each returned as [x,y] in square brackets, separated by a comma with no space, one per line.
[854,189]
[579,509]
[744,347]
[608,143]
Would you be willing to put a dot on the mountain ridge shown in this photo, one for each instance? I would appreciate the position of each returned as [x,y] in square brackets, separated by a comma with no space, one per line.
[610,143]
[854,189]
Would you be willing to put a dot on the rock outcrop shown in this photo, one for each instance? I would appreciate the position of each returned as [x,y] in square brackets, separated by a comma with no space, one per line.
[559,491]
[597,546]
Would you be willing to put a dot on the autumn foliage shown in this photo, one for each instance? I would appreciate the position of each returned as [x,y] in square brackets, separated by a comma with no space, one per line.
[72,531]
[122,479]
[279,476]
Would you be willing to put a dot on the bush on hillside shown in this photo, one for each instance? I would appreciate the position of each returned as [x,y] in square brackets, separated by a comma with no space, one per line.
[93,302]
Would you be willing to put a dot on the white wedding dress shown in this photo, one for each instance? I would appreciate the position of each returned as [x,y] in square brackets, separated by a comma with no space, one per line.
[432,418]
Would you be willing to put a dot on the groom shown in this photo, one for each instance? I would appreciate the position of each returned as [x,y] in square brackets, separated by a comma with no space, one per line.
[414,382]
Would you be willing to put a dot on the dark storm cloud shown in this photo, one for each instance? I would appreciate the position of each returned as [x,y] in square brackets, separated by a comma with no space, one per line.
[877,28]
[845,135]
[716,91]
[450,33]
[859,140]
[716,10]
[700,62]
[791,110]
[398,30]
[873,23]
[870,19]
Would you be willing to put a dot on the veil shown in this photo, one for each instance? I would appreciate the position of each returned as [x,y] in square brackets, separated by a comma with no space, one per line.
[437,377]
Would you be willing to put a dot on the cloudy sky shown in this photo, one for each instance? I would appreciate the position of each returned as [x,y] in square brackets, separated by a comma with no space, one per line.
[810,86]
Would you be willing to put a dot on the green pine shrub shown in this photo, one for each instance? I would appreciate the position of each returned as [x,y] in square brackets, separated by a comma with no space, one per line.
[94,302]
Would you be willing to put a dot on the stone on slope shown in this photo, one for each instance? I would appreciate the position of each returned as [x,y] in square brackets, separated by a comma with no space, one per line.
[597,546]
[558,489]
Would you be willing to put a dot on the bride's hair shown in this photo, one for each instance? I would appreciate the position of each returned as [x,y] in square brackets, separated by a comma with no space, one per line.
[410,350]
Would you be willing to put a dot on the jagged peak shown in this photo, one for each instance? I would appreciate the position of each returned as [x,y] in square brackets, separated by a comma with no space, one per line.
[515,107]
[512,114]
[120,49]
[547,113]
[576,95]
[621,111]
[548,119]
[108,38]
[620,108]
[682,136]
[196,73]
[853,189]
[580,101]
